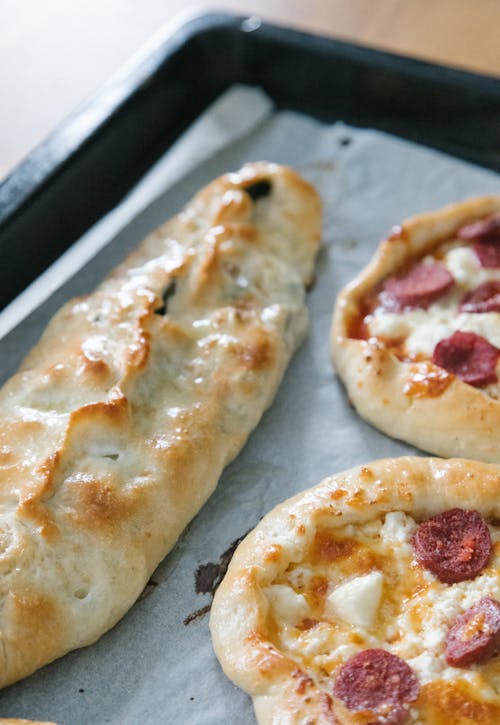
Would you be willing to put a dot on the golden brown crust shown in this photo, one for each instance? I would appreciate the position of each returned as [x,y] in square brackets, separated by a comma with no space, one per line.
[117,427]
[455,419]
[420,487]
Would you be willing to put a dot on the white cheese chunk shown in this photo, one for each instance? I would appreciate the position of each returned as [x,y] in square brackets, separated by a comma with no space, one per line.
[357,601]
[426,334]
[398,527]
[287,606]
[466,269]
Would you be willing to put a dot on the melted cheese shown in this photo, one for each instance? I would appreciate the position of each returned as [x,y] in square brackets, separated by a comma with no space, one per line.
[423,329]
[376,595]
[465,268]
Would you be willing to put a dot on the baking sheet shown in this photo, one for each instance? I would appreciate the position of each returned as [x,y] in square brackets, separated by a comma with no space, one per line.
[152,668]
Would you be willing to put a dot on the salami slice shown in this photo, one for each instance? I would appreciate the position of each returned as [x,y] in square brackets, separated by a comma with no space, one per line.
[486,234]
[377,680]
[475,636]
[454,545]
[468,356]
[421,286]
[488,254]
[484,230]
[485,298]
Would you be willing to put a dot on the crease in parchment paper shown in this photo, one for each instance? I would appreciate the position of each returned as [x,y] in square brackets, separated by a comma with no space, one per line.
[150,668]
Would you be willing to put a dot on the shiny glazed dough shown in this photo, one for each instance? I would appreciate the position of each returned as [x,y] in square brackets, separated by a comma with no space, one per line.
[116,428]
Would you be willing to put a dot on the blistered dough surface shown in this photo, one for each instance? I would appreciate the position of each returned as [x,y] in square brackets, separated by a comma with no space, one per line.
[117,427]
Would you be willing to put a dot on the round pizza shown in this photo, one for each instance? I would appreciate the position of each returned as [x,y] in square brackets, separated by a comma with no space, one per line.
[371,599]
[416,336]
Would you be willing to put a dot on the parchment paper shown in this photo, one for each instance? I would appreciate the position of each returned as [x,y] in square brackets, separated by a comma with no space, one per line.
[151,668]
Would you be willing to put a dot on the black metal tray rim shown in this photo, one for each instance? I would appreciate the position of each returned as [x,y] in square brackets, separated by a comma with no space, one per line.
[89,118]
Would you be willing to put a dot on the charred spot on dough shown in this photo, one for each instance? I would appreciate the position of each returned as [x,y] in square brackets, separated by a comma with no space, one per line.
[259,189]
[166,295]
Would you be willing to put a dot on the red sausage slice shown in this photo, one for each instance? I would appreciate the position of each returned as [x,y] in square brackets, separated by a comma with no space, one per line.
[488,254]
[485,230]
[421,286]
[454,545]
[485,298]
[475,636]
[377,680]
[468,356]
[486,234]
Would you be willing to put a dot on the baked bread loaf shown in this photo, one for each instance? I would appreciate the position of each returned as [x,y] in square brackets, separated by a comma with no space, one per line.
[416,336]
[371,599]
[116,428]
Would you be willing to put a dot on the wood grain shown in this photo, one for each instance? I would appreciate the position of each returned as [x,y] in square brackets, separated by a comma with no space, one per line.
[55,53]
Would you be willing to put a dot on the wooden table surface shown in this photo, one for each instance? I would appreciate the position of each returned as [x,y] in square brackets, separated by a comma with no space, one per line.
[55,53]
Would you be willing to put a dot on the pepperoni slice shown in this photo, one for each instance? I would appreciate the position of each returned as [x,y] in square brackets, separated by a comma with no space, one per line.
[377,680]
[423,284]
[454,545]
[488,254]
[475,636]
[486,234]
[468,356]
[484,230]
[485,298]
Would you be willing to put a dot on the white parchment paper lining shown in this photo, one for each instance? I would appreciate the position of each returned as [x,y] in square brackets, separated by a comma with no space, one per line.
[151,668]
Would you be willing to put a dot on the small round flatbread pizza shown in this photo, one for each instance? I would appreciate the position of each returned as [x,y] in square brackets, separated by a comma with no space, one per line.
[416,336]
[371,599]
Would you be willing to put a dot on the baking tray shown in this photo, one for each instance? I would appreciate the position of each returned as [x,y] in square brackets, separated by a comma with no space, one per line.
[90,162]
[121,657]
